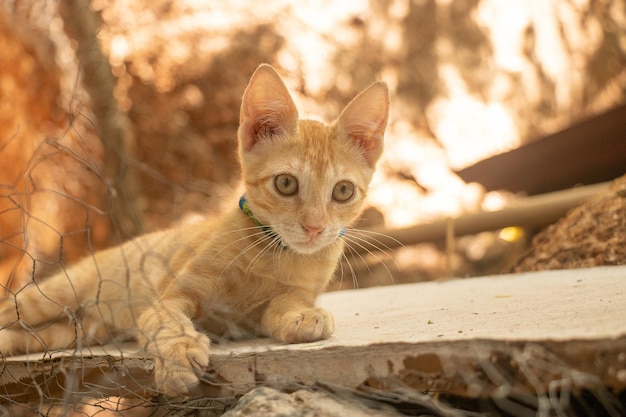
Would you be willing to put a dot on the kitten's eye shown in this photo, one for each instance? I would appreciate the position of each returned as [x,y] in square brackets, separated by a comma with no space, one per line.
[343,191]
[286,184]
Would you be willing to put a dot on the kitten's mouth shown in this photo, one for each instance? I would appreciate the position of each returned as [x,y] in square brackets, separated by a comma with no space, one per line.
[307,247]
[312,241]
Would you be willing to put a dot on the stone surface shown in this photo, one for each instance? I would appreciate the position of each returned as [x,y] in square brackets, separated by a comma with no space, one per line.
[264,401]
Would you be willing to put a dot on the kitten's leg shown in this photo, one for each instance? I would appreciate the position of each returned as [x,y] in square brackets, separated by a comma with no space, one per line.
[28,309]
[45,316]
[181,353]
[16,339]
[36,304]
[291,317]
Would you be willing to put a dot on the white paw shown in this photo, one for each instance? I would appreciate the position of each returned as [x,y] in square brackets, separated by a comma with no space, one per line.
[180,362]
[307,326]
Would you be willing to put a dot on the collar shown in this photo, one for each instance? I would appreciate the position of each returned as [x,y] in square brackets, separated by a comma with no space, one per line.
[243,205]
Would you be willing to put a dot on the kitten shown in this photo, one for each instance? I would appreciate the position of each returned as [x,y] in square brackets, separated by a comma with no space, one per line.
[259,266]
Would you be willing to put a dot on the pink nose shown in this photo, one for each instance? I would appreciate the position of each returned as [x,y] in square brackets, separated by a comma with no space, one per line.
[312,231]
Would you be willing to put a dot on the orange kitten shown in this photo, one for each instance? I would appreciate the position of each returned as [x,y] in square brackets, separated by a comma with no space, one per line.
[257,268]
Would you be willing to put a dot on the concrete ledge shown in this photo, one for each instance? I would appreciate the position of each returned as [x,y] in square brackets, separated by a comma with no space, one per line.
[466,337]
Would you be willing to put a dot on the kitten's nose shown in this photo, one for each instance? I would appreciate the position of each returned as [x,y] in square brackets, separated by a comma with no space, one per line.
[312,231]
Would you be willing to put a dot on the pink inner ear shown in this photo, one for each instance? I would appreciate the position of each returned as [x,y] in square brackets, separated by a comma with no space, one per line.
[267,109]
[247,135]
[364,120]
[370,145]
[368,136]
[265,128]
[362,141]
[265,124]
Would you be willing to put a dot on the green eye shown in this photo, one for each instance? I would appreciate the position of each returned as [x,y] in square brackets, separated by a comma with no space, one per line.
[286,184]
[343,191]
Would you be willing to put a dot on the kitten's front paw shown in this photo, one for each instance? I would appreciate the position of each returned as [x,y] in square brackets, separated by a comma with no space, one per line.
[180,362]
[305,326]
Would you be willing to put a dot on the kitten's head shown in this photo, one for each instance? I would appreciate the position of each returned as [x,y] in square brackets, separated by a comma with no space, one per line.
[304,179]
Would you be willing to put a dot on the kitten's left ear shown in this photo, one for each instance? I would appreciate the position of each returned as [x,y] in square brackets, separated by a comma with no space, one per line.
[364,120]
[267,109]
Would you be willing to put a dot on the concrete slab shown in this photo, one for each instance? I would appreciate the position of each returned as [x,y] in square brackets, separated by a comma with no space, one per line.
[551,305]
[460,337]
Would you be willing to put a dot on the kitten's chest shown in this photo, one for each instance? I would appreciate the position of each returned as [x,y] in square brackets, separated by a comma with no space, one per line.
[236,309]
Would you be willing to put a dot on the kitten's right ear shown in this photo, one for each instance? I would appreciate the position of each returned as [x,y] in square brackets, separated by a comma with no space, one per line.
[267,109]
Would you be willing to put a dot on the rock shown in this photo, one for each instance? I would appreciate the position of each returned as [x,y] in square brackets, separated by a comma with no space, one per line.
[265,401]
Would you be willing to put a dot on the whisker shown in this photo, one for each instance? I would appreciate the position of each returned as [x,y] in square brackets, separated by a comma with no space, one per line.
[386,253]
[355,254]
[272,244]
[373,241]
[276,253]
[259,232]
[275,244]
[263,237]
[355,281]
[378,246]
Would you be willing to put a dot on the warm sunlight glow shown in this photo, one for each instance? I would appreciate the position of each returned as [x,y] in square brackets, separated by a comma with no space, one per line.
[522,76]
[511,234]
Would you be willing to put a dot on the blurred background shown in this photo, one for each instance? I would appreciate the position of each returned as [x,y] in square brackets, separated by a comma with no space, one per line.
[119,117]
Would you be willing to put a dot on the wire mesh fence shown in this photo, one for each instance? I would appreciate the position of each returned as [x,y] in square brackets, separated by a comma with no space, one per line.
[87,165]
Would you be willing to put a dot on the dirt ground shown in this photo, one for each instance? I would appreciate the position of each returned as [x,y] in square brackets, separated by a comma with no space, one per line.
[592,234]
